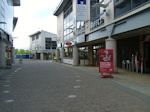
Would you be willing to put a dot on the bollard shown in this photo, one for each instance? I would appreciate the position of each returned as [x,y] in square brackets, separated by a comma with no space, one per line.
[136,62]
[123,64]
[141,65]
[132,63]
[128,64]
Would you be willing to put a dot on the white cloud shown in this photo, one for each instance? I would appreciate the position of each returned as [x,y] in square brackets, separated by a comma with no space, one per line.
[34,15]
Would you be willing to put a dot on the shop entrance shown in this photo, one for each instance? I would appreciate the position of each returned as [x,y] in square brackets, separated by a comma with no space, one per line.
[95,53]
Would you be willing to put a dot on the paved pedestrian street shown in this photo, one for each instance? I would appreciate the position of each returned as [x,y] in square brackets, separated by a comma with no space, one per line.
[44,86]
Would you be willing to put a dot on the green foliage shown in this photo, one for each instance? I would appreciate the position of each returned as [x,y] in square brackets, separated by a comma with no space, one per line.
[22,51]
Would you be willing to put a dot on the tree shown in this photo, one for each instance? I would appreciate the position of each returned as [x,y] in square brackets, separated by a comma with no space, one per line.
[22,51]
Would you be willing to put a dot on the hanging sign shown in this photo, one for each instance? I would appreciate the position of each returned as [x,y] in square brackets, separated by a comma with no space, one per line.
[68,43]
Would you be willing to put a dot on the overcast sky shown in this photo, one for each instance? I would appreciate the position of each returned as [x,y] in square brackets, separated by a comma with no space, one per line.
[34,15]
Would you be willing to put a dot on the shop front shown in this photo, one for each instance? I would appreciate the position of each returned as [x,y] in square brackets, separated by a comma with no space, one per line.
[146,47]
[68,53]
[88,52]
[133,53]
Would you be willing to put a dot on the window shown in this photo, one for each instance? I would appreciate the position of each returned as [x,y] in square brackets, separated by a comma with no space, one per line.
[96,14]
[68,51]
[95,11]
[54,44]
[83,53]
[123,6]
[68,23]
[33,38]
[37,36]
[49,44]
[138,2]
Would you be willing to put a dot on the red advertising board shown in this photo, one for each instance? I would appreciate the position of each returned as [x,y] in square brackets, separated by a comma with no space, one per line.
[106,62]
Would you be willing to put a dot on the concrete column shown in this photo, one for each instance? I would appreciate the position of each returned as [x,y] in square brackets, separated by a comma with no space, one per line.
[57,54]
[35,55]
[75,55]
[90,54]
[42,56]
[111,44]
[61,53]
[2,54]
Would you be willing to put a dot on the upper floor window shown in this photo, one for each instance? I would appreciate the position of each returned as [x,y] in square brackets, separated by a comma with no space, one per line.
[136,3]
[96,14]
[123,6]
[68,23]
[49,44]
[37,36]
[95,11]
[33,38]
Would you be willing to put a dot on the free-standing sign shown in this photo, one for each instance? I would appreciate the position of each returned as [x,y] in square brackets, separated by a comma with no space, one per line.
[106,62]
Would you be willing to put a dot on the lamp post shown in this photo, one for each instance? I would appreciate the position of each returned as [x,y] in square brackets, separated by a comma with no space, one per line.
[35,52]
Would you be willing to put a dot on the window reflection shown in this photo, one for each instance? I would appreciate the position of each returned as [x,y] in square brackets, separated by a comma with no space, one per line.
[68,23]
[123,6]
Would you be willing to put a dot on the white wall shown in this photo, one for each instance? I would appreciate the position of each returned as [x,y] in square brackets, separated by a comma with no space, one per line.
[60,27]
[110,11]
[40,42]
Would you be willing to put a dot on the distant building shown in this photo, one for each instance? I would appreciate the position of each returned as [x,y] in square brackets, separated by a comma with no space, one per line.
[43,45]
[7,25]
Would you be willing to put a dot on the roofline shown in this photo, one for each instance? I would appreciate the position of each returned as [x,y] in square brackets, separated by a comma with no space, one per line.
[38,32]
[57,8]
[60,7]
[16,2]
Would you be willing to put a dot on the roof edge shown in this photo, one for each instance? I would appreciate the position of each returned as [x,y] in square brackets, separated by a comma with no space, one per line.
[58,7]
[16,2]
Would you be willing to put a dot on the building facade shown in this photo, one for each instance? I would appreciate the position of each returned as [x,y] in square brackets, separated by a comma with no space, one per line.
[43,45]
[84,26]
[7,25]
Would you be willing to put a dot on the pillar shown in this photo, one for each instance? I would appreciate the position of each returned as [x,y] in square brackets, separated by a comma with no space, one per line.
[90,55]
[75,55]
[35,55]
[111,44]
[2,54]
[61,54]
[42,56]
[57,54]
